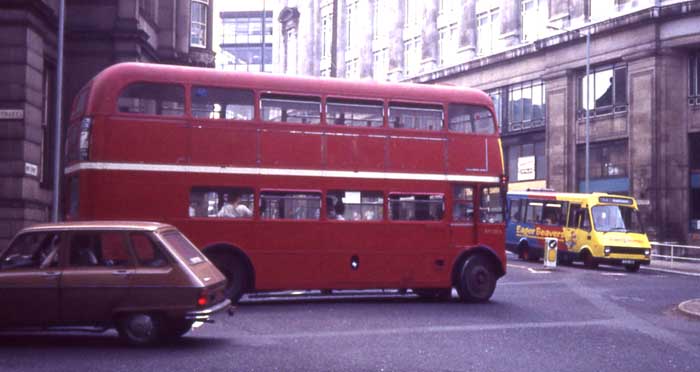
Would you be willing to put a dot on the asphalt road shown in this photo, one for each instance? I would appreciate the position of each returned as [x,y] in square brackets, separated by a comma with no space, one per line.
[570,319]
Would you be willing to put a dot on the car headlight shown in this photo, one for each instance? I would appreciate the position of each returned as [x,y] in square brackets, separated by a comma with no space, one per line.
[647,252]
[607,251]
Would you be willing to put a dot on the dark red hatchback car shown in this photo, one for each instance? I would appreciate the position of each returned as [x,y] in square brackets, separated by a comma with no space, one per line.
[145,279]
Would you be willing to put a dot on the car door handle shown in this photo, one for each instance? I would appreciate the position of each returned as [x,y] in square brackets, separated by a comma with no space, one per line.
[51,274]
[120,272]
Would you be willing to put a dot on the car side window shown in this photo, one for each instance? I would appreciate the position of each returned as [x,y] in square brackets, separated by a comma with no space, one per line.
[148,254]
[32,251]
[98,249]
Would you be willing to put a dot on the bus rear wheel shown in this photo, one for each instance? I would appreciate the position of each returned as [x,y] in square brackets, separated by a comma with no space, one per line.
[477,279]
[235,272]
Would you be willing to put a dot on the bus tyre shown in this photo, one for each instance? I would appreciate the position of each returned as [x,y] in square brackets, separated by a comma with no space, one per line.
[140,328]
[235,273]
[525,254]
[477,279]
[633,268]
[588,261]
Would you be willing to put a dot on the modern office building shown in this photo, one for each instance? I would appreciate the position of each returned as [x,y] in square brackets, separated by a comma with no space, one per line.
[246,43]
[97,34]
[642,95]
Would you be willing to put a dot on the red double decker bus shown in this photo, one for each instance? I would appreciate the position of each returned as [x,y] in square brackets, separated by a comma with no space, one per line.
[296,182]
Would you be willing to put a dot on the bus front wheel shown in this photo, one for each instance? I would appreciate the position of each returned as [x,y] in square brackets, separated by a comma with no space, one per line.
[477,279]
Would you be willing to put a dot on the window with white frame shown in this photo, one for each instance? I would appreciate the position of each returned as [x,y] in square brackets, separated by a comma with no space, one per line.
[351,12]
[605,91]
[326,32]
[534,15]
[412,55]
[412,13]
[487,31]
[526,106]
[448,43]
[198,23]
[380,67]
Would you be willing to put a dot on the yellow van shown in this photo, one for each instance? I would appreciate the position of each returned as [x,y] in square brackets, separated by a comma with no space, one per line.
[594,228]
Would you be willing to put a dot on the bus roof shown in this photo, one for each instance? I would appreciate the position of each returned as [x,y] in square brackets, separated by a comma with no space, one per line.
[553,195]
[108,84]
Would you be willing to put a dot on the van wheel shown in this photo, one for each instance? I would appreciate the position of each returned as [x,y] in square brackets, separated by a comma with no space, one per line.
[633,268]
[589,261]
[477,279]
[235,273]
[525,253]
[139,328]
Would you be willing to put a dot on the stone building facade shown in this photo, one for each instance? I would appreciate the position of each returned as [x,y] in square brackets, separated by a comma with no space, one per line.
[97,34]
[642,95]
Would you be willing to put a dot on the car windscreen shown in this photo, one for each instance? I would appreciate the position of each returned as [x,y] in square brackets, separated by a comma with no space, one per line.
[609,218]
[183,247]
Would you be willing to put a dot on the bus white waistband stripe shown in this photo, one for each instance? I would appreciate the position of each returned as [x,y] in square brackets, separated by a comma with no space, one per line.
[275,172]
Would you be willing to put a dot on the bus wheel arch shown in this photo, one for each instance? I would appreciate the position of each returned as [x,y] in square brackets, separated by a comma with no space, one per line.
[475,274]
[235,265]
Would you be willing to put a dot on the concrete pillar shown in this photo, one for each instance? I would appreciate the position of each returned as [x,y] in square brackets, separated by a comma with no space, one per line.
[182,34]
[558,100]
[395,21]
[341,38]
[365,36]
[467,30]
[307,60]
[510,22]
[431,41]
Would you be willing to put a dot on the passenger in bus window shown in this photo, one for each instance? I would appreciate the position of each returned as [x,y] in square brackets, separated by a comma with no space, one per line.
[234,209]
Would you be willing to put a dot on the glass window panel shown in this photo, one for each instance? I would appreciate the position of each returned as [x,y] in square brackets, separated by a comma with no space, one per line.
[463,203]
[226,202]
[416,207]
[354,205]
[621,86]
[291,109]
[421,118]
[491,205]
[357,114]
[222,103]
[290,205]
[527,103]
[516,114]
[470,119]
[603,88]
[152,99]
[537,102]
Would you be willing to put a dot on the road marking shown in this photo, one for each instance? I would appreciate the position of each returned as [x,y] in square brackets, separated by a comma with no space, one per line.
[672,271]
[613,274]
[439,329]
[535,271]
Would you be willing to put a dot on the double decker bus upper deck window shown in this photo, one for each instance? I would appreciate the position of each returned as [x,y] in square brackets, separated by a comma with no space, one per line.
[416,207]
[291,109]
[470,119]
[355,113]
[222,103]
[421,117]
[152,99]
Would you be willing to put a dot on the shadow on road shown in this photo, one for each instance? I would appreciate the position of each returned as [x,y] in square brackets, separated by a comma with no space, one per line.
[49,340]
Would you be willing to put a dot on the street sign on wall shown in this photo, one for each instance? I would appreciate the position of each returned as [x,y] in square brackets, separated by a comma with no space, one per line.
[11,114]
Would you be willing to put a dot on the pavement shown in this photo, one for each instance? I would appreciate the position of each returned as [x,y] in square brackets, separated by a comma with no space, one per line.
[690,307]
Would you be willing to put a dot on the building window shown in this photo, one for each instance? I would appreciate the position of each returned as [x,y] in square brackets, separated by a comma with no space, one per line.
[526,106]
[604,92]
[694,79]
[412,55]
[534,17]
[526,162]
[412,13]
[447,43]
[351,13]
[487,31]
[607,167]
[247,41]
[198,25]
[497,99]
[326,33]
